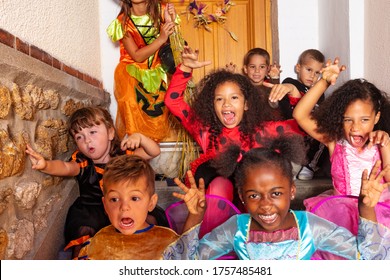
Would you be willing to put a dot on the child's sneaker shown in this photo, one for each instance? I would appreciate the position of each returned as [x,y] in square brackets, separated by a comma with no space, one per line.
[306,173]
[295,169]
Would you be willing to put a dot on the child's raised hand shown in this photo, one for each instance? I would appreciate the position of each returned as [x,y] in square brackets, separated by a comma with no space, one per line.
[193,197]
[378,137]
[38,162]
[189,59]
[169,13]
[332,70]
[372,186]
[231,67]
[131,142]
[274,72]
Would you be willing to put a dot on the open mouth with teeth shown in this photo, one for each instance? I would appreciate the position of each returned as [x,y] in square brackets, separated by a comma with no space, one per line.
[126,222]
[357,140]
[268,219]
[229,117]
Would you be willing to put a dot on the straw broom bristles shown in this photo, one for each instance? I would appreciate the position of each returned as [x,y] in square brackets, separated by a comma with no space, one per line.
[189,150]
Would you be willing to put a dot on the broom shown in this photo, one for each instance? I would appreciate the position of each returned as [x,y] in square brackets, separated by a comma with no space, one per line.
[189,150]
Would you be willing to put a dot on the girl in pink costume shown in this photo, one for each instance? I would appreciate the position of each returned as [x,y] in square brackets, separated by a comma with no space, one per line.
[226,110]
[354,124]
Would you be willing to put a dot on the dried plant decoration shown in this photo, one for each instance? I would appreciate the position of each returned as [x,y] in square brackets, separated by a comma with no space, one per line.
[202,19]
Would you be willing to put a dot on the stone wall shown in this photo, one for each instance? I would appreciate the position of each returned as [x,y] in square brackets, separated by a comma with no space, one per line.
[35,102]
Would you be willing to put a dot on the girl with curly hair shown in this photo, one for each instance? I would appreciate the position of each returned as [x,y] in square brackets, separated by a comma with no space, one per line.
[354,124]
[226,109]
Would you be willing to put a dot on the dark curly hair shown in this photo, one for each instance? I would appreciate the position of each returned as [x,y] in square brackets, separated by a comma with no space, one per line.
[330,114]
[278,152]
[203,105]
[281,152]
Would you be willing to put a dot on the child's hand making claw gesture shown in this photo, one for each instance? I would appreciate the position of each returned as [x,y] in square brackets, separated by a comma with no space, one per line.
[371,190]
[332,70]
[190,60]
[194,198]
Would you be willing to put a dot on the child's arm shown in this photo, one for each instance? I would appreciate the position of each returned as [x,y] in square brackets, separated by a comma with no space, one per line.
[174,98]
[382,139]
[371,191]
[142,145]
[302,111]
[52,167]
[195,200]
[141,54]
[190,60]
[278,91]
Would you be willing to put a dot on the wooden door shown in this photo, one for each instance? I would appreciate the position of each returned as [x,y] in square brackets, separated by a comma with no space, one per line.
[249,20]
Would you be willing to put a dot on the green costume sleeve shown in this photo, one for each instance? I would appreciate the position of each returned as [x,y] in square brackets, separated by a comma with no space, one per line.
[115,30]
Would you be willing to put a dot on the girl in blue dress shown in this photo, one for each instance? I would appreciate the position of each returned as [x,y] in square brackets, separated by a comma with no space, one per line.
[271,230]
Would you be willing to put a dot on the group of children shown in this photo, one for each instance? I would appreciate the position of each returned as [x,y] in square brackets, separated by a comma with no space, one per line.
[250,131]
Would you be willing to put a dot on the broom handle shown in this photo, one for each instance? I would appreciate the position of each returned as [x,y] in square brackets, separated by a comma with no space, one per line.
[175,42]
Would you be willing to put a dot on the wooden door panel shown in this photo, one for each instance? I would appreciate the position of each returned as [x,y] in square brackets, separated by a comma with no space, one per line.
[247,19]
[226,49]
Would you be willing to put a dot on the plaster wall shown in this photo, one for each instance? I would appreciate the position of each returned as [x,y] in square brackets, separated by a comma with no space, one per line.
[67,29]
[333,34]
[298,31]
[109,50]
[376,43]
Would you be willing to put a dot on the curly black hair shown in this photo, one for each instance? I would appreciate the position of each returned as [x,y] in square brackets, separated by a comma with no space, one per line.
[330,114]
[278,152]
[203,105]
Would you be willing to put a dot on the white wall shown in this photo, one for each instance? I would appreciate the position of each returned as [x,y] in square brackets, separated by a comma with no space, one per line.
[357,35]
[335,27]
[109,50]
[377,43]
[298,31]
[333,33]
[66,29]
